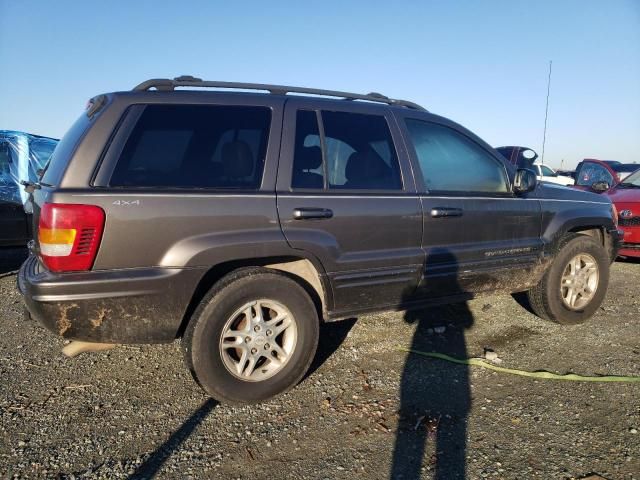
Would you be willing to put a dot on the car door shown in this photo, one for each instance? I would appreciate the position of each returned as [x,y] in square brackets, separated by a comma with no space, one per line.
[346,195]
[476,234]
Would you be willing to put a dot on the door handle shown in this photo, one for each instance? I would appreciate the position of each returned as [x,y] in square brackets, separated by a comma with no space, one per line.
[438,212]
[310,213]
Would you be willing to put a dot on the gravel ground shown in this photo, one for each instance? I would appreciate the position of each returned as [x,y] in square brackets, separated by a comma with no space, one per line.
[366,410]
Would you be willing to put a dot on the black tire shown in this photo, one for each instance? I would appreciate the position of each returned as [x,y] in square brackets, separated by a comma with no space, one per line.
[201,341]
[546,298]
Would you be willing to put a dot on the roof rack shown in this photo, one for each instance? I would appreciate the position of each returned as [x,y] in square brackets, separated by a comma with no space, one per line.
[168,85]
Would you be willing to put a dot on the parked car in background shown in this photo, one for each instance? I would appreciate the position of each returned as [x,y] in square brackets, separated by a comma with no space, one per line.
[548,174]
[521,157]
[619,170]
[625,169]
[240,221]
[626,197]
[525,157]
[595,175]
[567,173]
[600,177]
[22,155]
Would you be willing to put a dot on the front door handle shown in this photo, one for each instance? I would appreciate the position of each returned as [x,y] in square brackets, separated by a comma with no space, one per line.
[438,212]
[310,213]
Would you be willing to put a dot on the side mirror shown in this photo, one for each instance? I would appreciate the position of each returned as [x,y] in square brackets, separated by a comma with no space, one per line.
[600,187]
[525,181]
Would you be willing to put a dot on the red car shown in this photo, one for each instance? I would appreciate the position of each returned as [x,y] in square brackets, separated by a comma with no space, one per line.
[598,176]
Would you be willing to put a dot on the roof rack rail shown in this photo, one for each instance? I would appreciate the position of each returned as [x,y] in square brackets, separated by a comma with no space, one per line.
[168,85]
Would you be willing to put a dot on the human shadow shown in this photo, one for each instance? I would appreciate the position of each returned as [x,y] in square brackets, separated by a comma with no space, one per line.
[435,396]
[150,467]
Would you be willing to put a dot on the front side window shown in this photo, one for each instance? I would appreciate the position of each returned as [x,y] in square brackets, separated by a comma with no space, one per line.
[591,173]
[198,146]
[450,162]
[356,152]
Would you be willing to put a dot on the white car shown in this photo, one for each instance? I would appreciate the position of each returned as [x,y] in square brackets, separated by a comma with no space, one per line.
[548,174]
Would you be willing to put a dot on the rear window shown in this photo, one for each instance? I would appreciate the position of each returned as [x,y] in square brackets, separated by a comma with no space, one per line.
[197,146]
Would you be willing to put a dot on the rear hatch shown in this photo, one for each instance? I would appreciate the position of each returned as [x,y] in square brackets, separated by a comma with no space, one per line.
[54,170]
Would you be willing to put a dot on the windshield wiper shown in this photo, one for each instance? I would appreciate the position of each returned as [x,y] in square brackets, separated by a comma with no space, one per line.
[29,186]
[628,185]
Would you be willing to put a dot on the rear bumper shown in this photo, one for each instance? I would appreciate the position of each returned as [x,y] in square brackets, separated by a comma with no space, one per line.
[117,306]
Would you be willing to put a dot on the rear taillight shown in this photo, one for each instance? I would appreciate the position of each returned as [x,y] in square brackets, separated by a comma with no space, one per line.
[69,236]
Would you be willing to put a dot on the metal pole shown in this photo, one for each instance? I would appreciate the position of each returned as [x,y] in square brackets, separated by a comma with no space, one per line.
[546,113]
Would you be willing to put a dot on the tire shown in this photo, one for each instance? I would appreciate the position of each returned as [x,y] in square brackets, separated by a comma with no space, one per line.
[551,302]
[231,307]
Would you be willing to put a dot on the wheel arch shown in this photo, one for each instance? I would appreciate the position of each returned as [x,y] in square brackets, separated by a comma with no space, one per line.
[583,222]
[303,270]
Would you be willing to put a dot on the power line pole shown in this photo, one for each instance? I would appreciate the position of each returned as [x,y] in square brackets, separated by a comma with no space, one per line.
[546,113]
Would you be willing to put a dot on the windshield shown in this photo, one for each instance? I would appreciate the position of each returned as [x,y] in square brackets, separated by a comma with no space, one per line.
[632,180]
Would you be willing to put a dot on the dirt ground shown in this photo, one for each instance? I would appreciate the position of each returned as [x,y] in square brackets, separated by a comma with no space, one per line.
[366,410]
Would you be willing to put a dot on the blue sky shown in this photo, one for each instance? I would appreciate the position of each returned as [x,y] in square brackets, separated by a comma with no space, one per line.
[481,63]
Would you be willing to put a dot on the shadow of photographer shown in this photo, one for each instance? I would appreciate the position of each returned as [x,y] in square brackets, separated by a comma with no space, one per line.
[435,397]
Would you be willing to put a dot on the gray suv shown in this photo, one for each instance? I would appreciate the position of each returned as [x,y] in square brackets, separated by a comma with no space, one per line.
[240,220]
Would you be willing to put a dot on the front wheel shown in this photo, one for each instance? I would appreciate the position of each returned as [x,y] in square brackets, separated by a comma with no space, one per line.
[252,337]
[575,284]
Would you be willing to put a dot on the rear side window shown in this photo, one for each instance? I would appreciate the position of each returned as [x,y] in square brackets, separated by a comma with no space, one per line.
[63,151]
[356,152]
[197,146]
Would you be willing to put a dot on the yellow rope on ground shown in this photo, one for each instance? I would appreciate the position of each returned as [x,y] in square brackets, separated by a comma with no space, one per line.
[523,373]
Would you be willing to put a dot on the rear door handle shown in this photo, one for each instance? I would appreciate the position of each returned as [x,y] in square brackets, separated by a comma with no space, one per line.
[438,212]
[310,213]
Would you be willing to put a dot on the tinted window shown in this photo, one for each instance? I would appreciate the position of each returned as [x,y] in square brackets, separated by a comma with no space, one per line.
[358,151]
[64,149]
[199,146]
[307,160]
[592,172]
[451,162]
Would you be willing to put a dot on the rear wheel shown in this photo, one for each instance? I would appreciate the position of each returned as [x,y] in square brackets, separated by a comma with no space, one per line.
[252,337]
[575,284]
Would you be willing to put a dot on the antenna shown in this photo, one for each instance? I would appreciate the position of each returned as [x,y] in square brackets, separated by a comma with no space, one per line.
[546,113]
